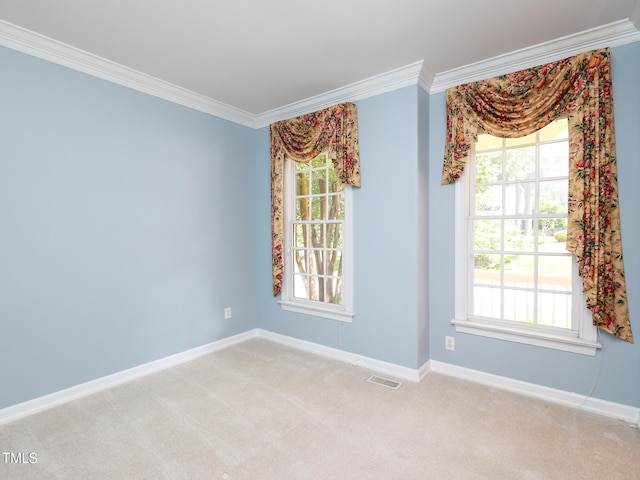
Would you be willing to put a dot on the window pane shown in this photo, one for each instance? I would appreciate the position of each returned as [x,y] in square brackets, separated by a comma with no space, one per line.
[512,142]
[486,269]
[554,272]
[553,196]
[518,235]
[313,288]
[333,290]
[319,161]
[555,309]
[300,264]
[488,200]
[316,262]
[316,266]
[552,228]
[336,207]
[556,130]
[302,183]
[554,160]
[520,198]
[319,182]
[302,208]
[486,235]
[300,236]
[335,185]
[486,302]
[489,167]
[318,208]
[334,263]
[519,305]
[317,235]
[334,235]
[335,299]
[300,286]
[521,163]
[487,142]
[521,272]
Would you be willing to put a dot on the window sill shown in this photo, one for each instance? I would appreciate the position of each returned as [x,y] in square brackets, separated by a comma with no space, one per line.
[539,339]
[317,311]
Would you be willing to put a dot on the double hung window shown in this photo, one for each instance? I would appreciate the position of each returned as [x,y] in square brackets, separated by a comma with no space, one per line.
[318,240]
[514,278]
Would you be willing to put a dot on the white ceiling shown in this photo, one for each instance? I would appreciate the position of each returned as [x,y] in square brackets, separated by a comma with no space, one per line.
[257,56]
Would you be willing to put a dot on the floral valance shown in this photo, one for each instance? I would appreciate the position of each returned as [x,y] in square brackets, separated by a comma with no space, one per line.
[301,139]
[520,103]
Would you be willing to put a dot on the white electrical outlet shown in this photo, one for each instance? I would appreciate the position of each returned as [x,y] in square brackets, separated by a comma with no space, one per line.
[227,313]
[449,343]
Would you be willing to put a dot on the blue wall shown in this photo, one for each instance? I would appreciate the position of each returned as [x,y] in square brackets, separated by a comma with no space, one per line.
[128,224]
[616,369]
[387,282]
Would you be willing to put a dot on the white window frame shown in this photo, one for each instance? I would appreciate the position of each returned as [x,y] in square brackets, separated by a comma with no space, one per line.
[344,312]
[583,341]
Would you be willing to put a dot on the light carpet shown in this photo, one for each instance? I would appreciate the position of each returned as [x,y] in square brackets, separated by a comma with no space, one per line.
[260,411]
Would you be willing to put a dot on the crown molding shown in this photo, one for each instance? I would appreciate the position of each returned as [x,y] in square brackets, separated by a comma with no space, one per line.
[426,78]
[31,43]
[635,15]
[610,35]
[376,85]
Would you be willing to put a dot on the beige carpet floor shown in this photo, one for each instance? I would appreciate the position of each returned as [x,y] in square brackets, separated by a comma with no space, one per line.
[260,410]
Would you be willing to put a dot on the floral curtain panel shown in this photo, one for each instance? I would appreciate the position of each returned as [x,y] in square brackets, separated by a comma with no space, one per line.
[520,103]
[301,139]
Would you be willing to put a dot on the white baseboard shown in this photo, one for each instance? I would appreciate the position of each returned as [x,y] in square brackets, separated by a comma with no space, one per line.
[391,369]
[594,405]
[39,404]
[602,407]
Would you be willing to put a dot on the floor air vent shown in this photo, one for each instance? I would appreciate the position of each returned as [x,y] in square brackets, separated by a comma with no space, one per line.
[385,382]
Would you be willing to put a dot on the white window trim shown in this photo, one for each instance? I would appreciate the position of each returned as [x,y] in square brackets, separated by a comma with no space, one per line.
[288,302]
[584,343]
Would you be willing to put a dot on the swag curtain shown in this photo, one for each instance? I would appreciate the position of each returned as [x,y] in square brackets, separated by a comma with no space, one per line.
[522,102]
[301,139]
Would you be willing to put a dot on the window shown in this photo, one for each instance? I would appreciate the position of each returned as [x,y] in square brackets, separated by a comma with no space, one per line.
[318,240]
[514,278]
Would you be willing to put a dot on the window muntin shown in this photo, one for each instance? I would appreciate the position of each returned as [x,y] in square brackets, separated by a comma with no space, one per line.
[317,240]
